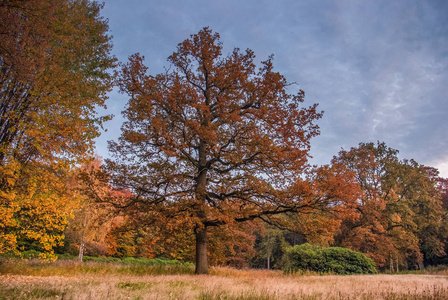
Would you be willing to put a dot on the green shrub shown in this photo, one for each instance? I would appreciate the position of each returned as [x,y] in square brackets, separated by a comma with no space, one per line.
[336,260]
[137,261]
[101,259]
[129,260]
[30,254]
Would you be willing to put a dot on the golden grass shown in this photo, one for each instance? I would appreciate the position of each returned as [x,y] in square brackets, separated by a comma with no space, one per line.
[223,283]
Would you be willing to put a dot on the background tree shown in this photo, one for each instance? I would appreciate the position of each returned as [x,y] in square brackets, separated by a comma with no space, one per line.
[271,246]
[92,218]
[400,219]
[332,195]
[232,244]
[368,232]
[212,141]
[420,186]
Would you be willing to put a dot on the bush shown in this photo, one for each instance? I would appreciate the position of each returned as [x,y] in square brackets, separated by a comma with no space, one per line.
[29,254]
[137,261]
[336,260]
[67,256]
[100,259]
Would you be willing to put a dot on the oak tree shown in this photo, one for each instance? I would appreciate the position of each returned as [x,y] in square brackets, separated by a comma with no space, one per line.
[213,140]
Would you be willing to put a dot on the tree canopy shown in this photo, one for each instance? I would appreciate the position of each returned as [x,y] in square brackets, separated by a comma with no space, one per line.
[54,73]
[399,217]
[213,140]
[55,67]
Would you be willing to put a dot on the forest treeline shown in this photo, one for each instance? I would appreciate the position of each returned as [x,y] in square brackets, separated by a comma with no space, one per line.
[211,166]
[397,216]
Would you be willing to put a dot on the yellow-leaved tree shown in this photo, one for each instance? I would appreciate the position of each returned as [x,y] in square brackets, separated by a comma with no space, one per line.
[54,74]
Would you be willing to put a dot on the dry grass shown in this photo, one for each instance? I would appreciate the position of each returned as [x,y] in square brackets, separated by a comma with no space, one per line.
[223,283]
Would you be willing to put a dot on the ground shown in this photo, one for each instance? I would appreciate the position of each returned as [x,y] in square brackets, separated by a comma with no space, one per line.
[223,283]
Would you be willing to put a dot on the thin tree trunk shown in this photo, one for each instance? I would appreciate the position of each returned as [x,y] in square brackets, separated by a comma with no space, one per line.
[398,270]
[82,243]
[81,248]
[391,262]
[201,252]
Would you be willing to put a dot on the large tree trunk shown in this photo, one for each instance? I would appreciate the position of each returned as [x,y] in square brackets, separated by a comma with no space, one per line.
[201,231]
[201,251]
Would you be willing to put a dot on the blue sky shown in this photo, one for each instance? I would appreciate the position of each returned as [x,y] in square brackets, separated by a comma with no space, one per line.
[379,69]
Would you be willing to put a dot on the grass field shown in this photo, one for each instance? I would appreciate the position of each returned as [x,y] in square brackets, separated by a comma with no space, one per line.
[113,281]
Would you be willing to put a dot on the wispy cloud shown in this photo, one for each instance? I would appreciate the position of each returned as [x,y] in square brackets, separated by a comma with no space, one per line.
[378,68]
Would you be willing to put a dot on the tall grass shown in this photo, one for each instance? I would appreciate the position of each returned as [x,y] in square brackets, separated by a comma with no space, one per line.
[98,280]
[35,267]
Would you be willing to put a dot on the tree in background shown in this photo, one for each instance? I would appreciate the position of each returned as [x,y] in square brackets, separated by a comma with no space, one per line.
[333,195]
[93,219]
[212,141]
[270,245]
[233,244]
[368,232]
[420,186]
[442,187]
[54,63]
[399,219]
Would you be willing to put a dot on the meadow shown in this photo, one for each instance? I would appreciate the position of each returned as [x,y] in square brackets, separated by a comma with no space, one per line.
[93,280]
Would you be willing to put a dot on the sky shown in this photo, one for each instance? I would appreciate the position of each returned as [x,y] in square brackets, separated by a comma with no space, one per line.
[377,68]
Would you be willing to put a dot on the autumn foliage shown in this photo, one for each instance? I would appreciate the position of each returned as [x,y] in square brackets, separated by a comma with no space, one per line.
[54,62]
[211,166]
[214,140]
[399,216]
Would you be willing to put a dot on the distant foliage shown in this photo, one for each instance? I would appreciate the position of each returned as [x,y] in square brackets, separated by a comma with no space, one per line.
[328,260]
[399,220]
